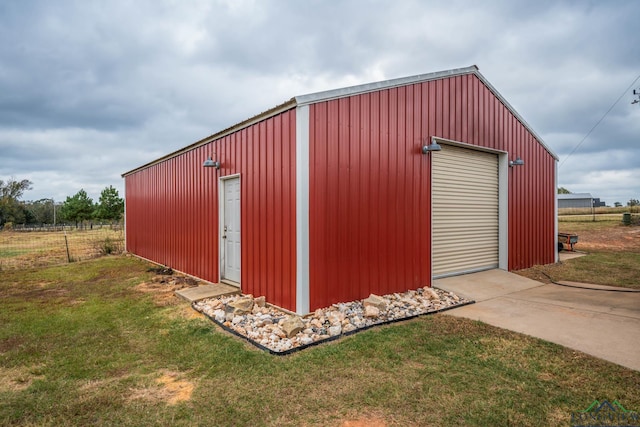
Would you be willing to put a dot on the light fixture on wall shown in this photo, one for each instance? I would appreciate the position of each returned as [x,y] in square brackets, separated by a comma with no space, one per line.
[434,146]
[517,162]
[210,163]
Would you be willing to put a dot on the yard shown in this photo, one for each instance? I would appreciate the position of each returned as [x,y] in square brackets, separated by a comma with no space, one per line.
[19,249]
[613,255]
[104,342]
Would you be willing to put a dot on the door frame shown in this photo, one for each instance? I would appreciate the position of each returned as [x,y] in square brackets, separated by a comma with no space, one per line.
[221,216]
[503,203]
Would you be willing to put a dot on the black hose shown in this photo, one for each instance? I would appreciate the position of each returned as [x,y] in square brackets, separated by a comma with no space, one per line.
[587,288]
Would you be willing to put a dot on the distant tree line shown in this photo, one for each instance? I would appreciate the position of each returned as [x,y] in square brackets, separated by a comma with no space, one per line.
[76,209]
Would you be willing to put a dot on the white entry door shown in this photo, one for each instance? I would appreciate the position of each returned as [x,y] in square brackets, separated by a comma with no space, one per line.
[230,254]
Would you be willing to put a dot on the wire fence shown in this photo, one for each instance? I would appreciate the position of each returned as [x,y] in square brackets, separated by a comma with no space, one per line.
[45,246]
[599,210]
[597,218]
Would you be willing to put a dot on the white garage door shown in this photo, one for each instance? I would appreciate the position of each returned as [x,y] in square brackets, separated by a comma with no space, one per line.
[465,210]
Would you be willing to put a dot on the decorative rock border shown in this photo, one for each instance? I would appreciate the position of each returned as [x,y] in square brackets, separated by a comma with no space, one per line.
[280,333]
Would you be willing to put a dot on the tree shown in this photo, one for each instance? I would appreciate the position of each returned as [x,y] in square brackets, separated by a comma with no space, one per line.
[111,205]
[633,202]
[42,211]
[77,208]
[617,204]
[562,190]
[11,209]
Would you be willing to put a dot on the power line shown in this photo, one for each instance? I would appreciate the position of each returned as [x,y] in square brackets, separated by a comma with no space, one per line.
[599,121]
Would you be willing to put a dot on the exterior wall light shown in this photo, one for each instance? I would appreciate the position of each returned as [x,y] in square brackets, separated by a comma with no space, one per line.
[517,162]
[210,163]
[434,146]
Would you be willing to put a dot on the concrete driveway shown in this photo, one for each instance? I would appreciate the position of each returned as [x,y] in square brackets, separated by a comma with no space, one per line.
[597,322]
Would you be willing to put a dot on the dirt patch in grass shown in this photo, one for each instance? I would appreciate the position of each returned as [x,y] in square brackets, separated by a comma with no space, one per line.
[187,312]
[557,417]
[162,295]
[170,388]
[10,343]
[364,422]
[603,236]
[163,288]
[94,386]
[18,378]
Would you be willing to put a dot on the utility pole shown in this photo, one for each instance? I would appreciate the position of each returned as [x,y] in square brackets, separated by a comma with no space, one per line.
[636,93]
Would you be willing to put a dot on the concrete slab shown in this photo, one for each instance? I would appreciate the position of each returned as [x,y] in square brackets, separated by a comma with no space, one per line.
[598,299]
[485,285]
[601,323]
[207,291]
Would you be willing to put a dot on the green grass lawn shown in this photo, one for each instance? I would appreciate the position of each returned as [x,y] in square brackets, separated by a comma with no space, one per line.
[79,345]
[601,268]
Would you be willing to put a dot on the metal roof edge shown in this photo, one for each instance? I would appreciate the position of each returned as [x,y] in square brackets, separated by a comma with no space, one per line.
[403,81]
[515,113]
[349,91]
[246,123]
[575,196]
[327,95]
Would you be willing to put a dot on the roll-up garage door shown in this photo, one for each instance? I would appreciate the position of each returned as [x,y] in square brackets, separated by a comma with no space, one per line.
[465,210]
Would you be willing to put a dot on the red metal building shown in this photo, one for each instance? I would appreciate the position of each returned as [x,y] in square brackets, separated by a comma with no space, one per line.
[376,188]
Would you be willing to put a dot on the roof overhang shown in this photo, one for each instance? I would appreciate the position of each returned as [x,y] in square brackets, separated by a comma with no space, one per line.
[328,95]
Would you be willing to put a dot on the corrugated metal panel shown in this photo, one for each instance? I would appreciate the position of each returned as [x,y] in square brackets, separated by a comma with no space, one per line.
[370,203]
[172,208]
[465,210]
[368,185]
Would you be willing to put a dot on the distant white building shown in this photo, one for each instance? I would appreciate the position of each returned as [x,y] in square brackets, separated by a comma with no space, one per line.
[578,200]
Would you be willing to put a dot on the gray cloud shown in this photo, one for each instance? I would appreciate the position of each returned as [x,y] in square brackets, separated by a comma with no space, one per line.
[89,90]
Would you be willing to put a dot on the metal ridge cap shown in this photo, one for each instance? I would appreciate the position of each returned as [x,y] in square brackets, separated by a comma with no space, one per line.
[326,95]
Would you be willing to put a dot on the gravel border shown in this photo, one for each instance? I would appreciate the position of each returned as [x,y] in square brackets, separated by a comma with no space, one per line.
[266,327]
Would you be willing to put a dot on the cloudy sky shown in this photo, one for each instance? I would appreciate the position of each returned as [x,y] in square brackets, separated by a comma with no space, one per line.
[92,89]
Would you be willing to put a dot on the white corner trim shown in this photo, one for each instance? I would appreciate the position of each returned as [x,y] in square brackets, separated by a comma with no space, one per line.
[555,213]
[503,211]
[124,215]
[302,209]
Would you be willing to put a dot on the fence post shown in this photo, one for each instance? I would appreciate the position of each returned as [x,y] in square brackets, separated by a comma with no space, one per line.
[66,242]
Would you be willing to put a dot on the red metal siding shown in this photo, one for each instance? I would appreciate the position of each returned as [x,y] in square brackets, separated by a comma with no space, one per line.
[368,185]
[370,198]
[172,209]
